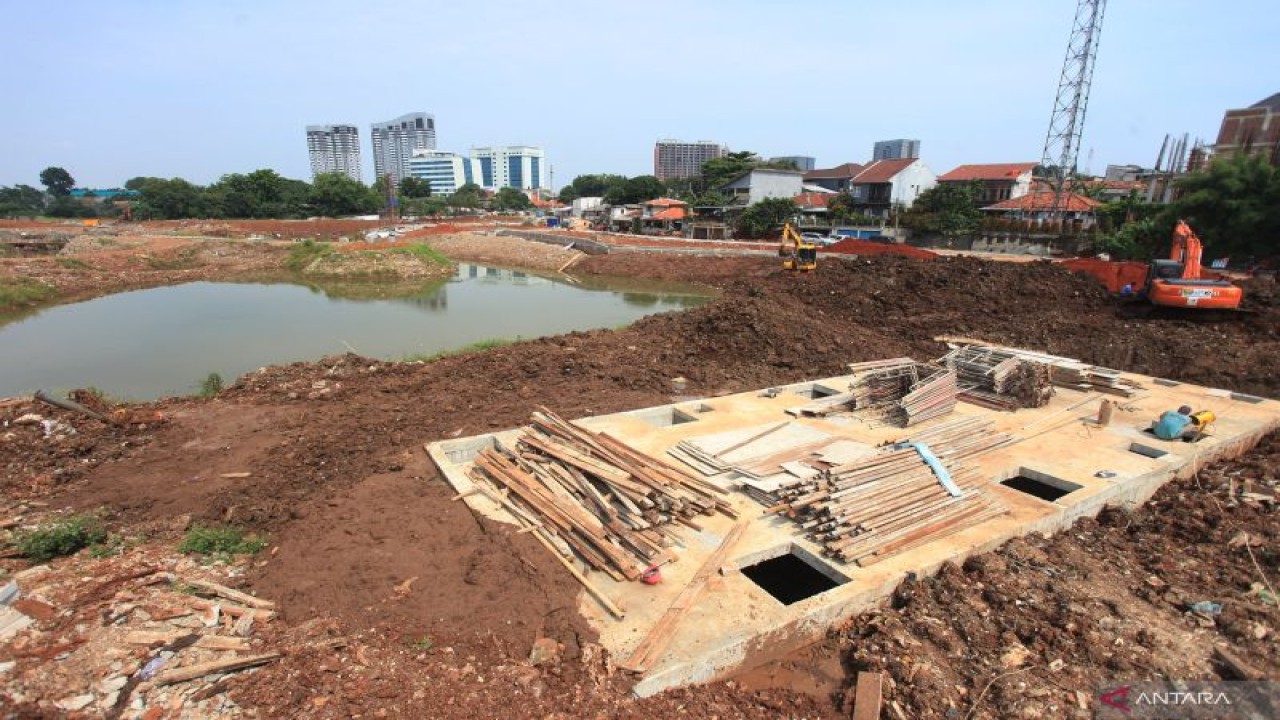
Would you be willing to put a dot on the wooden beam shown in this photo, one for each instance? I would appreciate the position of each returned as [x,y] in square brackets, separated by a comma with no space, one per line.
[192,672]
[866,698]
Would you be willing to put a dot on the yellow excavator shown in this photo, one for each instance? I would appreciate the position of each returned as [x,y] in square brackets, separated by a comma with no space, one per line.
[798,255]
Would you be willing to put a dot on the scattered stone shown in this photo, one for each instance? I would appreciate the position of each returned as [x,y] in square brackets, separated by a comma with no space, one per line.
[78,702]
[545,651]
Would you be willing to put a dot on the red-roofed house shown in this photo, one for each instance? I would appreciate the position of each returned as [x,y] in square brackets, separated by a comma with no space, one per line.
[1001,181]
[1038,207]
[836,179]
[885,184]
[663,214]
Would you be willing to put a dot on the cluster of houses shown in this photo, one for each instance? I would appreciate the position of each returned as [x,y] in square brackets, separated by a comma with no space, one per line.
[878,189]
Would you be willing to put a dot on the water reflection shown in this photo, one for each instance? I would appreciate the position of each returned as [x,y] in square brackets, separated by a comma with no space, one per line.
[162,341]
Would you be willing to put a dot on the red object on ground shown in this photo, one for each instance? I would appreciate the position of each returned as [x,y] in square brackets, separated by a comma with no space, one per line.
[853,246]
[651,576]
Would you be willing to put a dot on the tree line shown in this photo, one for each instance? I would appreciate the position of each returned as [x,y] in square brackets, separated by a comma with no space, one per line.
[262,193]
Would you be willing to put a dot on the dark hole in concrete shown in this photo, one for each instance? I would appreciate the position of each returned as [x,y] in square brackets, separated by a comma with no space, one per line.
[1146,450]
[814,392]
[788,578]
[1167,383]
[1035,488]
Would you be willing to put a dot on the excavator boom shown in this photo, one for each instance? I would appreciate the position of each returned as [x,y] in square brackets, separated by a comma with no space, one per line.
[1177,282]
[798,254]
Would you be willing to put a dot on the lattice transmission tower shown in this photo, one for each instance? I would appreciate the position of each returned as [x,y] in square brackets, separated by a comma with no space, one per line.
[1066,125]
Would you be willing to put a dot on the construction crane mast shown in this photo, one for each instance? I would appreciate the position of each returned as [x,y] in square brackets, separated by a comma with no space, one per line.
[1066,125]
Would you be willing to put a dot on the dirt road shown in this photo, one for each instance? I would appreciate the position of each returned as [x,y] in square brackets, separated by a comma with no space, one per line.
[354,510]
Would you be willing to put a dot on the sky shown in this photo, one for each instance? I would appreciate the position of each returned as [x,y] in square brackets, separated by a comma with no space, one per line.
[197,88]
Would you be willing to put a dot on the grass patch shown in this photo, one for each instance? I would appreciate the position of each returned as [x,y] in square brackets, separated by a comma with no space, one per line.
[425,253]
[61,537]
[19,291]
[211,385]
[305,253]
[73,264]
[220,542]
[473,347]
[185,261]
[424,643]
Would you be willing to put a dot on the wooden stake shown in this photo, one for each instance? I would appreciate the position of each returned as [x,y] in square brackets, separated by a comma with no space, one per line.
[218,666]
[866,698]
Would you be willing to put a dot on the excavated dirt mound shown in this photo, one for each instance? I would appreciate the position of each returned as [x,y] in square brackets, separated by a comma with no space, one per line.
[354,509]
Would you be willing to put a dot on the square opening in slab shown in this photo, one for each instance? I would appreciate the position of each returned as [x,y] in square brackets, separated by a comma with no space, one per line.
[702,408]
[1166,383]
[1040,485]
[664,416]
[793,576]
[1146,450]
[813,391]
[1251,399]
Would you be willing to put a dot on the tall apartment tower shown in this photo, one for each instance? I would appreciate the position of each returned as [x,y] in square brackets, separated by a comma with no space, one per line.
[895,150]
[334,148]
[395,140]
[522,167]
[676,159]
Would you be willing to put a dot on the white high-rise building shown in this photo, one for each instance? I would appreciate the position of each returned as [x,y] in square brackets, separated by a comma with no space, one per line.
[677,159]
[519,166]
[334,148]
[395,140]
[445,171]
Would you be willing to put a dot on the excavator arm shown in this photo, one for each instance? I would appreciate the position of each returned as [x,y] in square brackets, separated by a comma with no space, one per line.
[798,254]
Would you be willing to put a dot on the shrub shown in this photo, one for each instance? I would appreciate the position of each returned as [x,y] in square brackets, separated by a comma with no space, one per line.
[62,537]
[211,385]
[305,253]
[219,541]
[15,292]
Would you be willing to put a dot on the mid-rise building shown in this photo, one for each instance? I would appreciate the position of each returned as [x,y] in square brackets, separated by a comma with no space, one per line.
[334,148]
[1254,130]
[676,159]
[445,171]
[395,140]
[803,163]
[895,149]
[523,167]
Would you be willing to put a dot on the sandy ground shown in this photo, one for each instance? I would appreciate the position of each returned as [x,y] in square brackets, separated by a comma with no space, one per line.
[394,601]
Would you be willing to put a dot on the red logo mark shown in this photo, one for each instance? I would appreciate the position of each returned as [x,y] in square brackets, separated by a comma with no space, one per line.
[1118,698]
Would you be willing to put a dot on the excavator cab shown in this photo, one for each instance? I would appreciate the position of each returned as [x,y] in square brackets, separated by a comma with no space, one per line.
[798,254]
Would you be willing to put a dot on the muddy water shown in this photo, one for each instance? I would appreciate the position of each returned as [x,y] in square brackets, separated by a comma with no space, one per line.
[151,343]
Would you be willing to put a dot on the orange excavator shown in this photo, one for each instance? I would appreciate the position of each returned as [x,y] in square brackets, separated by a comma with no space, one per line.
[1176,282]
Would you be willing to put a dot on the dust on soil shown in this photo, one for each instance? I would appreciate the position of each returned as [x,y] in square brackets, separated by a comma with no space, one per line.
[339,482]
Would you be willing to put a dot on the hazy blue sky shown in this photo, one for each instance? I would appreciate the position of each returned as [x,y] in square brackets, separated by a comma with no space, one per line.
[118,88]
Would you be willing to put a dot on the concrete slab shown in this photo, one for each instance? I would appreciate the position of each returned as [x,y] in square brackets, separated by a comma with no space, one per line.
[736,619]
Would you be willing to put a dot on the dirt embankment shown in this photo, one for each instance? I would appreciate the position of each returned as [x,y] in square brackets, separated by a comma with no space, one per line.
[339,481]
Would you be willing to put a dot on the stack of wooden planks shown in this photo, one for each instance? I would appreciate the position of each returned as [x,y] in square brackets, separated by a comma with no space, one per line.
[1073,374]
[609,502]
[905,392]
[999,379]
[871,509]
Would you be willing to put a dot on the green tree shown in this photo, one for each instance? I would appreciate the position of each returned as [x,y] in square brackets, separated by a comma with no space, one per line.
[590,186]
[509,199]
[170,200]
[336,194]
[432,206]
[412,187]
[136,183]
[635,190]
[469,195]
[1233,206]
[20,200]
[766,218]
[65,206]
[946,208]
[58,181]
[718,171]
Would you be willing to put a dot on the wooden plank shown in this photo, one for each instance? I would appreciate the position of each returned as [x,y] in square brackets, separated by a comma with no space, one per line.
[613,608]
[208,642]
[193,672]
[866,698]
[230,594]
[236,611]
[660,636]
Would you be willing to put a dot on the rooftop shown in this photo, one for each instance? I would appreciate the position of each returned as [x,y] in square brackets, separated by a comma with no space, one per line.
[839,172]
[996,171]
[883,171]
[1044,201]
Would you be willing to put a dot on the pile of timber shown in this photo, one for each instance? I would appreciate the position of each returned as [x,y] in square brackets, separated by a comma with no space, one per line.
[999,379]
[906,392]
[871,509]
[1074,374]
[609,502]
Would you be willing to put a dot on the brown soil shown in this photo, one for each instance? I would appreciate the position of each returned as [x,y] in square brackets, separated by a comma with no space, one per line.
[355,511]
